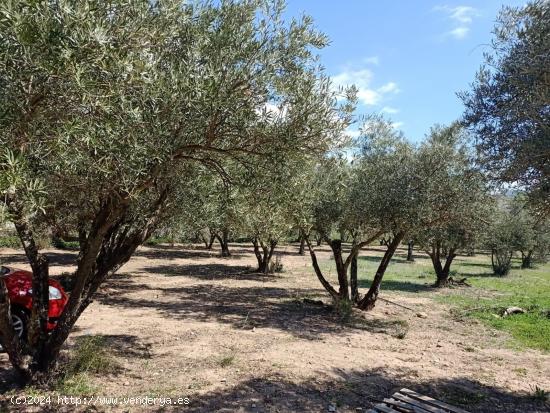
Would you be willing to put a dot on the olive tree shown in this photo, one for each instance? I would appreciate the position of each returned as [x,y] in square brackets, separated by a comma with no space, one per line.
[365,200]
[530,232]
[105,107]
[264,215]
[457,198]
[500,239]
[507,107]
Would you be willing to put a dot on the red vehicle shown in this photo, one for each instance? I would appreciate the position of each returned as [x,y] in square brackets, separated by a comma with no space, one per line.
[19,286]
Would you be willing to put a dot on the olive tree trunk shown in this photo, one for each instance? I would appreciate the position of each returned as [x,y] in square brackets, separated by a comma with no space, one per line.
[105,245]
[501,260]
[264,254]
[527,259]
[223,239]
[302,249]
[347,289]
[369,300]
[442,270]
[410,256]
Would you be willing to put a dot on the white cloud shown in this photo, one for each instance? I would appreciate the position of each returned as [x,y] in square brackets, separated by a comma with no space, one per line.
[462,18]
[397,125]
[362,79]
[459,32]
[462,14]
[389,109]
[372,60]
[390,87]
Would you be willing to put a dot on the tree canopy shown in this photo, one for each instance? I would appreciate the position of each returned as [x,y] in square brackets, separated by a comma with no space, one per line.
[508,106]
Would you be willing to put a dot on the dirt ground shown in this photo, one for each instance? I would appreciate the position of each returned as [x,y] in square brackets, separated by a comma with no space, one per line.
[184,322]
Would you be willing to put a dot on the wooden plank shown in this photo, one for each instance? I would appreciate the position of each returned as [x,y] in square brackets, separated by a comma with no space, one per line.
[385,409]
[434,402]
[418,403]
[405,406]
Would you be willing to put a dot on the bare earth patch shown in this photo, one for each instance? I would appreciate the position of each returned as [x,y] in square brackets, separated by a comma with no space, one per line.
[184,322]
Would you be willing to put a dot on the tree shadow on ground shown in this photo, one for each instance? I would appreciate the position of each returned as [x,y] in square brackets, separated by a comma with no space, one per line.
[352,390]
[376,259]
[473,264]
[253,307]
[394,285]
[165,252]
[61,258]
[8,377]
[478,274]
[125,346]
[211,272]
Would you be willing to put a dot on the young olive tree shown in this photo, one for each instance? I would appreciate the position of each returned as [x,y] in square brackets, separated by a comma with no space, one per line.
[500,240]
[106,107]
[375,195]
[264,216]
[457,198]
[530,232]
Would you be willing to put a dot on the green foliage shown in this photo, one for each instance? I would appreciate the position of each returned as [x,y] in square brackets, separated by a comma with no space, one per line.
[137,98]
[508,104]
[458,202]
[530,231]
[61,244]
[10,241]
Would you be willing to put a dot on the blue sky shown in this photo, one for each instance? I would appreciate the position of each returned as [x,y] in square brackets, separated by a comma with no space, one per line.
[408,58]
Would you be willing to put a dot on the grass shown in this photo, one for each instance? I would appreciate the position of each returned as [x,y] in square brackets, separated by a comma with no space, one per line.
[89,357]
[227,361]
[9,241]
[488,297]
[87,360]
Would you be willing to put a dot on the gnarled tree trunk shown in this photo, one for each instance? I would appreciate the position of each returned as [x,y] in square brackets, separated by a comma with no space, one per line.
[369,300]
[108,243]
[441,270]
[208,240]
[527,259]
[302,249]
[347,290]
[224,242]
[264,254]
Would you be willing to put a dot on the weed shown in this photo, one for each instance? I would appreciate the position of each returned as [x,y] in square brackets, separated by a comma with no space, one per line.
[540,394]
[227,361]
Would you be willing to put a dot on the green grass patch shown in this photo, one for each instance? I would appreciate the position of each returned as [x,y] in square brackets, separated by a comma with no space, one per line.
[10,241]
[488,297]
[66,245]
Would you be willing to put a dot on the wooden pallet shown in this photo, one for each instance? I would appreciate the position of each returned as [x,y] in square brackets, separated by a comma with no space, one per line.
[408,401]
